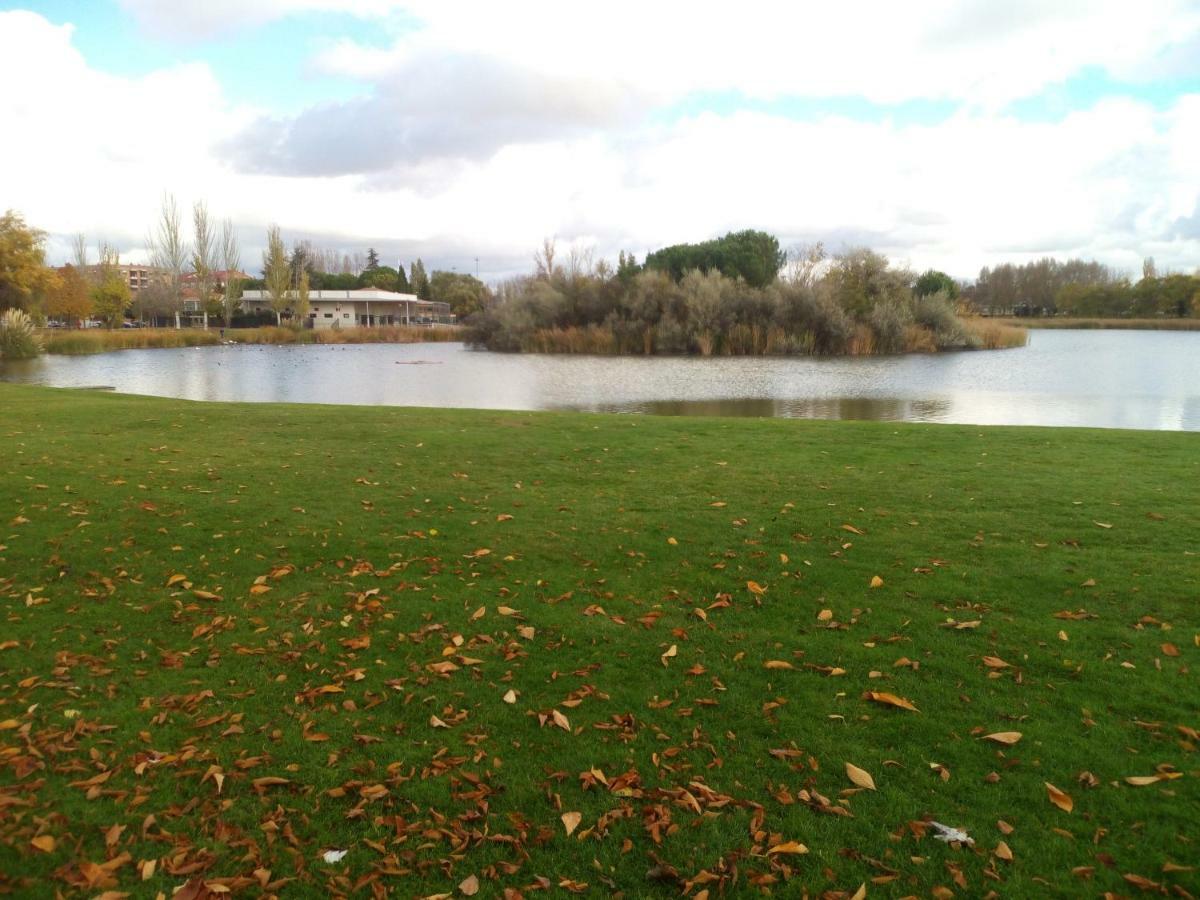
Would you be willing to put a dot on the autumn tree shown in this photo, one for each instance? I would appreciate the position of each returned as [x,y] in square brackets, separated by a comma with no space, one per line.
[301,306]
[70,298]
[23,272]
[465,293]
[277,273]
[110,298]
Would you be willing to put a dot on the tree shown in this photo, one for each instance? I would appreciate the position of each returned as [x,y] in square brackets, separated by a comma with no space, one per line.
[401,280]
[1149,269]
[381,277]
[277,273]
[204,256]
[862,279]
[932,281]
[372,260]
[300,310]
[70,298]
[465,293]
[418,280]
[23,272]
[751,255]
[169,252]
[79,254]
[231,259]
[110,297]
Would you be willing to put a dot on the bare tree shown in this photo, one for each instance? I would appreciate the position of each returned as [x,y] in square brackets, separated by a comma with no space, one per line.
[543,260]
[805,263]
[79,254]
[169,251]
[231,259]
[277,274]
[204,256]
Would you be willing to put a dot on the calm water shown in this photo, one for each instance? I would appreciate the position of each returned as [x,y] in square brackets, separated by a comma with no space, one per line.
[1112,379]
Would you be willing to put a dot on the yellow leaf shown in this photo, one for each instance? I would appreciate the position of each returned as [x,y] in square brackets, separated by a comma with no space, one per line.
[1059,798]
[755,588]
[45,843]
[560,720]
[994,662]
[175,579]
[510,696]
[469,886]
[860,777]
[825,615]
[1143,780]
[852,529]
[1003,852]
[876,581]
[1102,524]
[889,700]
[437,723]
[479,613]
[571,821]
[672,541]
[788,847]
[777,664]
[671,652]
[783,558]
[1004,737]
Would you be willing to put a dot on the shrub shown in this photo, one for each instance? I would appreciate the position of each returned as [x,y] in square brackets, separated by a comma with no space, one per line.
[18,339]
[890,321]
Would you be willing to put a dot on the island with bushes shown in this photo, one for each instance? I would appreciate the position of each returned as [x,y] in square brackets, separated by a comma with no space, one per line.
[732,296]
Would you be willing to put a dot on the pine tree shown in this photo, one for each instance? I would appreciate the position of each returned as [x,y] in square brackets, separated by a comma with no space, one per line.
[372,260]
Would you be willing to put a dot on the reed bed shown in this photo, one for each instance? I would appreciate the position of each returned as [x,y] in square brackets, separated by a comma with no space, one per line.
[1164,324]
[990,334]
[82,342]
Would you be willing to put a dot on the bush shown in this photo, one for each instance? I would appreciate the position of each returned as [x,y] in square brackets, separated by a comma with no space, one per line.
[18,339]
[890,321]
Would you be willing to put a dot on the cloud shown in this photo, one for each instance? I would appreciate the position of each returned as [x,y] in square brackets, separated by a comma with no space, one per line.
[466,147]
[429,108]
[186,20]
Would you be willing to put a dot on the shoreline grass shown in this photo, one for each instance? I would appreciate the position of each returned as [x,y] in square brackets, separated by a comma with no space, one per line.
[1163,324]
[87,341]
[603,654]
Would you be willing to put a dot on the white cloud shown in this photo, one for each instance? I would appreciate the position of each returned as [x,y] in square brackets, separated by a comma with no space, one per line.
[1116,181]
[188,20]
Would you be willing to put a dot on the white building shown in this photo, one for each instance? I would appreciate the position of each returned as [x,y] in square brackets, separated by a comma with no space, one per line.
[360,308]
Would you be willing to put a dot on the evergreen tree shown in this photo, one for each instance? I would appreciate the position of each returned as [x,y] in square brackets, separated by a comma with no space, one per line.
[402,285]
[372,260]
[419,281]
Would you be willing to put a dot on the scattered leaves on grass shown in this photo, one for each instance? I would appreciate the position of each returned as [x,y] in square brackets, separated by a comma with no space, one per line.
[1059,798]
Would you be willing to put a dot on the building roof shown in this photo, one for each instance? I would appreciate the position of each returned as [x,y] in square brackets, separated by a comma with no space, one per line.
[367,294]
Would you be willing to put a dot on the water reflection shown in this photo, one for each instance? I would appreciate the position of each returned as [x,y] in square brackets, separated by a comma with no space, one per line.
[885,409]
[1114,379]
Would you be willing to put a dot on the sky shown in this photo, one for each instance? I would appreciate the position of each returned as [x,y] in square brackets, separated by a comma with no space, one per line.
[948,135]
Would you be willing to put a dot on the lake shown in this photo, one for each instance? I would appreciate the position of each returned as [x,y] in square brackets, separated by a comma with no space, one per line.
[1108,379]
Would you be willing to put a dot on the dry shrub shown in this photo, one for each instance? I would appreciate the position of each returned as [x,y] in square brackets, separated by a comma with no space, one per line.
[990,335]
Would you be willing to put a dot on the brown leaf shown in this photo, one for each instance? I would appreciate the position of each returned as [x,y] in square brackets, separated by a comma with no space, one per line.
[876,581]
[777,664]
[571,821]
[469,886]
[994,662]
[45,843]
[1003,852]
[1059,798]
[670,653]
[1003,737]
[860,777]
[755,588]
[510,696]
[889,700]
[852,529]
[794,847]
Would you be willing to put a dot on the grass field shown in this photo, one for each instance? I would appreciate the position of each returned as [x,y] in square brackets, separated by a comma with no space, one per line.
[488,652]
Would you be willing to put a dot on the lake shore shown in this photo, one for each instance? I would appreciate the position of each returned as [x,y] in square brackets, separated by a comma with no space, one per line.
[604,641]
[1163,324]
[79,342]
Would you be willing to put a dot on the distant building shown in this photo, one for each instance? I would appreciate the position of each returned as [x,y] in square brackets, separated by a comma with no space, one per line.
[360,308]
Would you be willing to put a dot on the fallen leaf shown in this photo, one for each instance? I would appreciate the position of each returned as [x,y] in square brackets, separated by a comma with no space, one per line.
[469,886]
[1003,852]
[1059,798]
[787,847]
[669,654]
[876,581]
[860,777]
[571,821]
[889,700]
[45,843]
[1003,737]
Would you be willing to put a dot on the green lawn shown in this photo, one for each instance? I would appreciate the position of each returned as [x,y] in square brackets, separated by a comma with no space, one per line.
[238,636]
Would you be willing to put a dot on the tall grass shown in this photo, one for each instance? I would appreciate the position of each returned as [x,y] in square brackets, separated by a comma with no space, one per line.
[18,338]
[989,334]
[1163,324]
[77,343]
